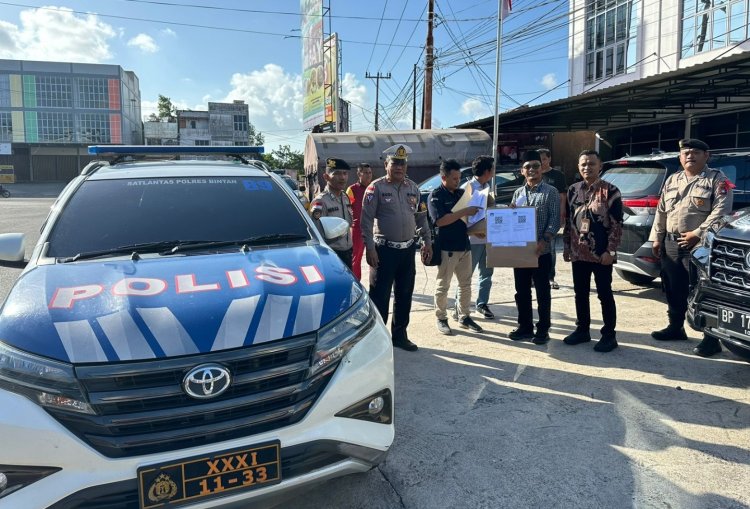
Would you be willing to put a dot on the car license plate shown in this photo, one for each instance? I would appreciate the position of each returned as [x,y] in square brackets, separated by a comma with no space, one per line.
[735,321]
[175,483]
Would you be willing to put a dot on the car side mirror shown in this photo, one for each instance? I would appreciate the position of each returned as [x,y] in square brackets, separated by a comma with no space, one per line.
[334,227]
[13,247]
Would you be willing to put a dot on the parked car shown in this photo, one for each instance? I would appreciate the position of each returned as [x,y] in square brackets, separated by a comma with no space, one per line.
[182,334]
[507,180]
[719,304]
[641,180]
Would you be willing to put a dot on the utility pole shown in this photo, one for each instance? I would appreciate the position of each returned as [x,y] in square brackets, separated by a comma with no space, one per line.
[414,102]
[427,108]
[377,79]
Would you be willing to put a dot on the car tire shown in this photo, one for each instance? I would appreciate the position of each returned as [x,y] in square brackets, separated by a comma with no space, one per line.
[636,279]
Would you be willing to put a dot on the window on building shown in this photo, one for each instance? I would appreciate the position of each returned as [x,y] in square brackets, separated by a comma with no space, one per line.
[192,124]
[55,127]
[202,142]
[4,90]
[95,128]
[92,93]
[611,28]
[712,24]
[240,122]
[6,126]
[53,92]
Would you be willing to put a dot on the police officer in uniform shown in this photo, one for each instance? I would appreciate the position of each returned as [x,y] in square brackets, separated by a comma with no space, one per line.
[691,201]
[334,202]
[391,218]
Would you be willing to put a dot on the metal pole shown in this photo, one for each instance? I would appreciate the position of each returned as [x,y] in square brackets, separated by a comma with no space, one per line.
[414,104]
[427,109]
[498,59]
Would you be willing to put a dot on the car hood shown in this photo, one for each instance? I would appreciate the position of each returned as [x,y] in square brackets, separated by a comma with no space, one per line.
[737,226]
[121,310]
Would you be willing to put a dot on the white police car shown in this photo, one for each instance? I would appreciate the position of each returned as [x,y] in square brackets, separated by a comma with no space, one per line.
[181,336]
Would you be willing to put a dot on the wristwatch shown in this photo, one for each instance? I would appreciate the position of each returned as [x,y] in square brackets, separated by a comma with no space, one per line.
[612,253]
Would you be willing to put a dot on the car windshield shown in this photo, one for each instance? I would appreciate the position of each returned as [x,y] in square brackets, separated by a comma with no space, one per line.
[107,214]
[636,180]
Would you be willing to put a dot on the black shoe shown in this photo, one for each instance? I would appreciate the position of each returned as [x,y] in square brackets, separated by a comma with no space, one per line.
[577,337]
[405,344]
[670,333]
[521,334]
[708,347]
[444,328]
[484,310]
[606,344]
[467,323]
[541,338]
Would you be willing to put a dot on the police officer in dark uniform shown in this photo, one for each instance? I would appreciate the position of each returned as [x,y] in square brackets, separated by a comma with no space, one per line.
[391,218]
[334,202]
[691,201]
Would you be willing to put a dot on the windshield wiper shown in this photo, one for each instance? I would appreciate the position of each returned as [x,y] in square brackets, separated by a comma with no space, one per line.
[273,238]
[132,249]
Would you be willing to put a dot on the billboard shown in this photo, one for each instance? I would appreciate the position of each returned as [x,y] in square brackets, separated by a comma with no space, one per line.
[313,105]
[331,63]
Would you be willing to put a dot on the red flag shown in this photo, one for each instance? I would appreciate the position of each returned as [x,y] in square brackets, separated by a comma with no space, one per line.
[507,6]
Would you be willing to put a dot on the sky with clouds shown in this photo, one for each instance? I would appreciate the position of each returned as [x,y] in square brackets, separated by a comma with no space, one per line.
[233,49]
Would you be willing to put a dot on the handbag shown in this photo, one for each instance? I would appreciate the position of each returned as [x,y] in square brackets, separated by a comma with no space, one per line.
[436,253]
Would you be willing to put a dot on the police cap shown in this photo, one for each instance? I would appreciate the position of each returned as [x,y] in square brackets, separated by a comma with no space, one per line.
[333,164]
[693,143]
[398,152]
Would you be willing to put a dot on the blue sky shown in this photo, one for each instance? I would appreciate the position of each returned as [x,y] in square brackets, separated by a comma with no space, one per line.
[197,51]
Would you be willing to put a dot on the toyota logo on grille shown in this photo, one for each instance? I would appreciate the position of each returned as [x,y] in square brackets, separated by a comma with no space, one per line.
[206,381]
[747,259]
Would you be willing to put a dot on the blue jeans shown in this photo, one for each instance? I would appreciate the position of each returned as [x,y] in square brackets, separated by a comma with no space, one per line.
[479,257]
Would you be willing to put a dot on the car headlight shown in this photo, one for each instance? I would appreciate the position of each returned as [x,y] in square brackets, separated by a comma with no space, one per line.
[47,382]
[708,239]
[336,339]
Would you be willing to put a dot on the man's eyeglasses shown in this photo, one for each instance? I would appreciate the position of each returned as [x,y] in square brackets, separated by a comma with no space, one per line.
[532,166]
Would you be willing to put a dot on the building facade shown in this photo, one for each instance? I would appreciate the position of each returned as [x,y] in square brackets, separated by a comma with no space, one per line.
[223,124]
[615,42]
[61,102]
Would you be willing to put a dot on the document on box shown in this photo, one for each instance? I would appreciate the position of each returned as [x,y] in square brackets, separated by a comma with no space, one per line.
[511,226]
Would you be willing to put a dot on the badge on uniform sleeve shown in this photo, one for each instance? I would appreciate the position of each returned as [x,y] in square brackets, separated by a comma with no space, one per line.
[316,209]
[699,202]
[422,207]
[728,186]
[412,200]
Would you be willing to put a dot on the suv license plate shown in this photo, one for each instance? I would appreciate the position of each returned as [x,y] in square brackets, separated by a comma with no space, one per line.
[735,321]
[201,477]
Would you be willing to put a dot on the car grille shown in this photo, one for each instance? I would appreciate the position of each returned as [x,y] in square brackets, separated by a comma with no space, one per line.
[141,407]
[729,266]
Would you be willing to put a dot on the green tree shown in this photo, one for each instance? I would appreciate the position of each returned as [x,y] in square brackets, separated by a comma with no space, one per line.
[285,157]
[255,138]
[166,109]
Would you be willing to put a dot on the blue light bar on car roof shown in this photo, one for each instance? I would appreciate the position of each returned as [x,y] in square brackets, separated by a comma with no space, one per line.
[119,150]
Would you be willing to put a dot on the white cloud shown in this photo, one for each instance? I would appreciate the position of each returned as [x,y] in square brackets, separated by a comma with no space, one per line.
[274,97]
[55,33]
[169,32]
[549,81]
[353,91]
[474,109]
[144,43]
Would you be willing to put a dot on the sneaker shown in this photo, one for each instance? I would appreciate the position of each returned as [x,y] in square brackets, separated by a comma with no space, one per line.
[577,337]
[708,347]
[670,333]
[484,310]
[541,338]
[405,344]
[606,344]
[521,334]
[553,284]
[443,327]
[467,323]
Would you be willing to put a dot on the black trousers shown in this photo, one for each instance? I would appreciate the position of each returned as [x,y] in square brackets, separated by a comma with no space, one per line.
[523,279]
[396,270]
[675,276]
[582,287]
[346,257]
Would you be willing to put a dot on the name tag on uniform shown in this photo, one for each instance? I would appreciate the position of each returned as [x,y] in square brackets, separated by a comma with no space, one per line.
[585,225]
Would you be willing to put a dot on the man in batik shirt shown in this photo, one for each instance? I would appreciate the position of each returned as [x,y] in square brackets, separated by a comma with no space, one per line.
[592,233]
